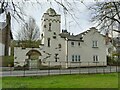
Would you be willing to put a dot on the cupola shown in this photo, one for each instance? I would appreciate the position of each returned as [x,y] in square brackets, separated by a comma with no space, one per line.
[51,11]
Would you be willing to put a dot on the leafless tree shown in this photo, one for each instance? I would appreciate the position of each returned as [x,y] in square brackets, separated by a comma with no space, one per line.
[107,15]
[16,10]
[29,31]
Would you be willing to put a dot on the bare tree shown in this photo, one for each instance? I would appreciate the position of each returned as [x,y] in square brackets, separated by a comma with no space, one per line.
[106,14]
[16,8]
[29,31]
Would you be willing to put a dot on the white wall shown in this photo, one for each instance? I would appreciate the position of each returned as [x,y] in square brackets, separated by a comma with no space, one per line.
[86,51]
[20,54]
[53,49]
[2,46]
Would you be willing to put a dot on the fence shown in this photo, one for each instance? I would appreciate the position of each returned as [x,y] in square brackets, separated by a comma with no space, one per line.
[57,68]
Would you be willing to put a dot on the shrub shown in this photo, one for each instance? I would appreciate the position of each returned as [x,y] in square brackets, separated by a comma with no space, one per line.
[8,61]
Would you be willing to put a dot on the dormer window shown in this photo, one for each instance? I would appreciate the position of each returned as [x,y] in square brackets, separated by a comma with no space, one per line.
[49,26]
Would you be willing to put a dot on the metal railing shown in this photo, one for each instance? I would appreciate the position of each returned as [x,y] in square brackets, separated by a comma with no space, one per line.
[58,68]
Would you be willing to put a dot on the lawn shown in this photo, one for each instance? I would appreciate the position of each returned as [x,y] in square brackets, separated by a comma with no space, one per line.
[63,81]
[0,82]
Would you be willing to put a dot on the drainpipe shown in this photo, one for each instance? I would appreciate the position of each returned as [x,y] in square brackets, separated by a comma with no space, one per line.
[67,54]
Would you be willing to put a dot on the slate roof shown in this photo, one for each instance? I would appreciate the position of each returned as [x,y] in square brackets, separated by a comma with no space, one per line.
[70,37]
[78,37]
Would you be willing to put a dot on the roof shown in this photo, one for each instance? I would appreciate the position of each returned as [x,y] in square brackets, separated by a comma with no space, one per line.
[78,37]
[70,37]
[51,11]
[85,32]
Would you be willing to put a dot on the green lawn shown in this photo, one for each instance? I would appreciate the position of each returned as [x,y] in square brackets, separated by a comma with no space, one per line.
[63,81]
[0,82]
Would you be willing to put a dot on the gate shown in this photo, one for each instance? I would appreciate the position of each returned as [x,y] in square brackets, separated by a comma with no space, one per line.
[33,59]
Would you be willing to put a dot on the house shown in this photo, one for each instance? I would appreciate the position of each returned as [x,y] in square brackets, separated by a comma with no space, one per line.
[5,37]
[61,48]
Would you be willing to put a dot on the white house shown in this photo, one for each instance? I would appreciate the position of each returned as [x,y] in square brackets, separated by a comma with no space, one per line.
[61,48]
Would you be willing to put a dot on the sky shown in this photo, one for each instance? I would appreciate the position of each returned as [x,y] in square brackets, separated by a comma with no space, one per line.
[77,21]
[78,17]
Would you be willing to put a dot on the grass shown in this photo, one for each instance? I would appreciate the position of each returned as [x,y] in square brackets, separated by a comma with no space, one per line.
[0,82]
[63,81]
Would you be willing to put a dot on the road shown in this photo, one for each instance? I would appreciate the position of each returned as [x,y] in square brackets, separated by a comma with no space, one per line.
[107,69]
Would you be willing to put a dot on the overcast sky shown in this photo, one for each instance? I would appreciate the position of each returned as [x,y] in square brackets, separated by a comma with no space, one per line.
[77,22]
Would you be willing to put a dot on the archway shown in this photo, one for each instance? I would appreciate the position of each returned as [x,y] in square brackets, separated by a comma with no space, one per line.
[33,60]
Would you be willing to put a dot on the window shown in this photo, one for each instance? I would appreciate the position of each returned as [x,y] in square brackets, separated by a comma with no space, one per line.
[44,26]
[49,26]
[59,45]
[54,36]
[95,43]
[73,58]
[72,43]
[76,58]
[42,35]
[95,58]
[48,42]
[54,33]
[23,48]
[78,43]
[79,58]
[56,57]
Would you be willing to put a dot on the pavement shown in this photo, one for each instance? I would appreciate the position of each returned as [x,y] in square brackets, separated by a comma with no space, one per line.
[35,72]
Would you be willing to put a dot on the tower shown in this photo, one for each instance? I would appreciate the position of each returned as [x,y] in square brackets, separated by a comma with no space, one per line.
[50,27]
